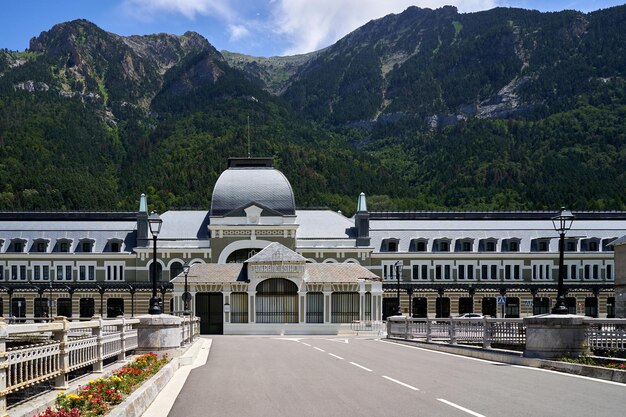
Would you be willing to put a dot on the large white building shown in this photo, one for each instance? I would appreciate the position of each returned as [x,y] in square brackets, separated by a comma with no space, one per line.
[324,270]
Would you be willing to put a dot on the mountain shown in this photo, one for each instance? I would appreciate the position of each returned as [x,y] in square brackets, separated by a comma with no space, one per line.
[428,109]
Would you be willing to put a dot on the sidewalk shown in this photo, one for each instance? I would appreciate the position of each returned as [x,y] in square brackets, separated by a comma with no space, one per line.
[196,356]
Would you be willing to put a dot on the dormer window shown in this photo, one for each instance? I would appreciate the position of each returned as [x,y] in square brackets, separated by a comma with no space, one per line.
[41,247]
[510,245]
[590,245]
[571,245]
[487,245]
[441,245]
[418,245]
[390,245]
[63,245]
[114,245]
[605,244]
[86,245]
[464,245]
[17,245]
[540,245]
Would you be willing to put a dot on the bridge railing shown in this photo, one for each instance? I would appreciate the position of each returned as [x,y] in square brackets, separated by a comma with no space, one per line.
[367,326]
[37,352]
[606,334]
[602,334]
[483,331]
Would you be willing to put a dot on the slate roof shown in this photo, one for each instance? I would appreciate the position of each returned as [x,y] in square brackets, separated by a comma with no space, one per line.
[323,224]
[185,225]
[237,187]
[98,229]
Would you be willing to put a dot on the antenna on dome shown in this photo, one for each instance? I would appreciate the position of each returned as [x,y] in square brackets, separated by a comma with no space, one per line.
[248,136]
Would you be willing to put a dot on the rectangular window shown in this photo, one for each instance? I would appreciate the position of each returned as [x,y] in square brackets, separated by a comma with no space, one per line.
[59,273]
[115,272]
[1,272]
[541,271]
[420,271]
[609,271]
[438,272]
[82,272]
[68,272]
[443,271]
[23,272]
[37,272]
[92,273]
[446,272]
[14,272]
[489,271]
[46,273]
[466,271]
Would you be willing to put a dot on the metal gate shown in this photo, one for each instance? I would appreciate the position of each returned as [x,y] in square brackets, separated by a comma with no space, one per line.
[209,307]
[277,301]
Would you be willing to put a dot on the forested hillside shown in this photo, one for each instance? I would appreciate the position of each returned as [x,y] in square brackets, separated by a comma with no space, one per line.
[503,109]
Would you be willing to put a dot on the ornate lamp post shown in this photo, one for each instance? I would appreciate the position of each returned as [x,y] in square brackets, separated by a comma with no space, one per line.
[155,222]
[562,223]
[398,266]
[186,294]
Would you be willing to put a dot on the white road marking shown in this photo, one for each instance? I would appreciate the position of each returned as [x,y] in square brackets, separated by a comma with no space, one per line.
[500,363]
[339,340]
[401,383]
[316,348]
[306,344]
[335,356]
[360,366]
[458,407]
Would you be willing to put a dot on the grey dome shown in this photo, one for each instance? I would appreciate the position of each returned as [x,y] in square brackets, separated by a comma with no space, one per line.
[237,188]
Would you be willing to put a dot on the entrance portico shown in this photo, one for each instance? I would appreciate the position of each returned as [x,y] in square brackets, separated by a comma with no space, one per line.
[277,292]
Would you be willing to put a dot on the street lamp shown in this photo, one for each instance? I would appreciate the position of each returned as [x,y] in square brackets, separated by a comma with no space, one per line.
[562,223]
[398,266]
[155,222]
[186,294]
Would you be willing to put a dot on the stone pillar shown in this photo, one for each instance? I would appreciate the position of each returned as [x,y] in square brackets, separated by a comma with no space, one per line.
[555,336]
[251,307]
[121,328]
[158,333]
[64,356]
[302,306]
[327,306]
[97,331]
[3,368]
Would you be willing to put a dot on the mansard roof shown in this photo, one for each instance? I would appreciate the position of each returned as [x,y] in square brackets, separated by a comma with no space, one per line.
[238,187]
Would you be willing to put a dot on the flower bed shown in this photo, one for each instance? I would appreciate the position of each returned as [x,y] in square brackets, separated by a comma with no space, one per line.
[102,394]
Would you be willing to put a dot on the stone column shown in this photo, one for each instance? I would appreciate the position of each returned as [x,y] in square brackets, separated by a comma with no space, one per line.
[327,306]
[251,307]
[3,368]
[555,336]
[64,356]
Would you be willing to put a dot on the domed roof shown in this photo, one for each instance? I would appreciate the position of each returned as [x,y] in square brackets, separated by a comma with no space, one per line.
[237,188]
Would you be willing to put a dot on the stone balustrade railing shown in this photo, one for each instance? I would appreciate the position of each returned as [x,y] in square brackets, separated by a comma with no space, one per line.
[483,331]
[602,334]
[36,352]
[606,334]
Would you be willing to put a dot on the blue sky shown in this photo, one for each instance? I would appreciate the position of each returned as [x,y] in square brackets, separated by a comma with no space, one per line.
[255,27]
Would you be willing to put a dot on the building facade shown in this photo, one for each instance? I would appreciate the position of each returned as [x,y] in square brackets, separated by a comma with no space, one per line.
[496,263]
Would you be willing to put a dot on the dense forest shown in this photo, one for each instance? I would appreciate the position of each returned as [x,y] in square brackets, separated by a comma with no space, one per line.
[506,109]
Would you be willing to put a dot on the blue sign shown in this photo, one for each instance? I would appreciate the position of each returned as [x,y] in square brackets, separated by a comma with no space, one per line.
[501,300]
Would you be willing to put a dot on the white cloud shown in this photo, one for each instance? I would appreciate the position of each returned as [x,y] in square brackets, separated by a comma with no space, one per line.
[238,32]
[310,25]
[188,8]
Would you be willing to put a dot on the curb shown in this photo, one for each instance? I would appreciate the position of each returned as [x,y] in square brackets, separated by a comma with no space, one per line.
[516,358]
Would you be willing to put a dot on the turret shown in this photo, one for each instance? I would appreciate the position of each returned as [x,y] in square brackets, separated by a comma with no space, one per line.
[142,222]
[362,222]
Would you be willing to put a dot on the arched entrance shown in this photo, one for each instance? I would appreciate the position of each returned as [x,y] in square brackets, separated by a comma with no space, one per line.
[277,301]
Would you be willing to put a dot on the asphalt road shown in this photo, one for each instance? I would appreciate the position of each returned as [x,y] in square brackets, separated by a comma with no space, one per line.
[337,376]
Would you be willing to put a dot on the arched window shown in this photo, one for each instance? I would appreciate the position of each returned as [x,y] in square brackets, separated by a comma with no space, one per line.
[159,271]
[175,269]
[277,301]
[240,256]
